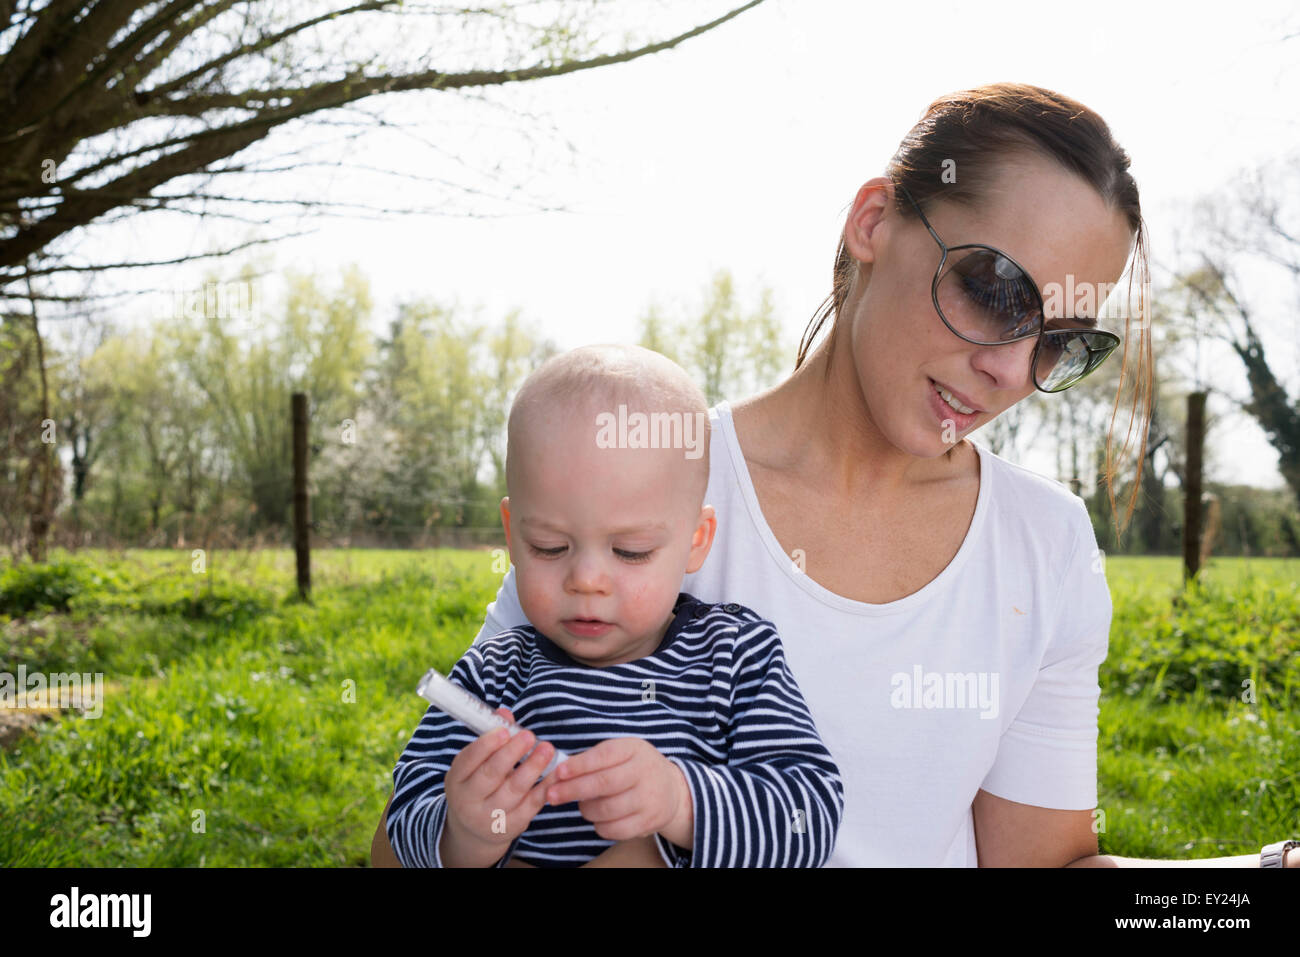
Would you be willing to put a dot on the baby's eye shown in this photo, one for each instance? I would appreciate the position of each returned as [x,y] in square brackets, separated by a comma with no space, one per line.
[633,556]
[548,552]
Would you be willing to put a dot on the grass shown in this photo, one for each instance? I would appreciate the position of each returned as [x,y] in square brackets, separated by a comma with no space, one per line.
[1199,732]
[247,728]
[250,728]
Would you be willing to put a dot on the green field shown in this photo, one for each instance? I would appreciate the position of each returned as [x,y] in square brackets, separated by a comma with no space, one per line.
[242,727]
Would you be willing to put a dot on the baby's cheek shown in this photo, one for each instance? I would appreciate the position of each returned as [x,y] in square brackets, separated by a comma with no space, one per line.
[534,595]
[639,596]
[648,598]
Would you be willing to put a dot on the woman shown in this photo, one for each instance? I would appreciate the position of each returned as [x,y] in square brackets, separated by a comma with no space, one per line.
[944,611]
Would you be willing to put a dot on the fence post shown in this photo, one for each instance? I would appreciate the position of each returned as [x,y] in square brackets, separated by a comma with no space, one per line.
[301,522]
[1192,503]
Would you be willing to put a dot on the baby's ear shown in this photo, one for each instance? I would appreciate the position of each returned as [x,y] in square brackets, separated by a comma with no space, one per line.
[702,540]
[505,518]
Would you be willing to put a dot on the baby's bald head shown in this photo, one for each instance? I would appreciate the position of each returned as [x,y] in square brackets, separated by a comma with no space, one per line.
[574,390]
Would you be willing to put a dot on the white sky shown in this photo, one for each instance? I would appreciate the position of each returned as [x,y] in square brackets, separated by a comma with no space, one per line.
[742,149]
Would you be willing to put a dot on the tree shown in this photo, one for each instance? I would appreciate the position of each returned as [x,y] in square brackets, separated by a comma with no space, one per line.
[730,353]
[83,407]
[513,351]
[320,348]
[103,103]
[1254,224]
[427,449]
[109,108]
[30,472]
[147,421]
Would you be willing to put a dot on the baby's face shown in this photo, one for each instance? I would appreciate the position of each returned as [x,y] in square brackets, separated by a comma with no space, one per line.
[600,539]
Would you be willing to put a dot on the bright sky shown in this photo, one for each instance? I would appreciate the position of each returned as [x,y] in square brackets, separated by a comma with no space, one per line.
[742,149]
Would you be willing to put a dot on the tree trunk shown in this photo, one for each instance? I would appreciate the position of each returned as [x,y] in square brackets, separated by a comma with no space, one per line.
[41,506]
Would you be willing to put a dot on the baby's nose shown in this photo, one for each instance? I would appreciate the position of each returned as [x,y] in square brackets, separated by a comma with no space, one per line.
[587,575]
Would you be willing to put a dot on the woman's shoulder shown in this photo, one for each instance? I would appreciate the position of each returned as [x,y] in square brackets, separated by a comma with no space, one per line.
[1020,490]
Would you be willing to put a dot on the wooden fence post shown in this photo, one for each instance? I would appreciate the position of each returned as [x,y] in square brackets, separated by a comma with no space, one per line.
[301,520]
[1192,503]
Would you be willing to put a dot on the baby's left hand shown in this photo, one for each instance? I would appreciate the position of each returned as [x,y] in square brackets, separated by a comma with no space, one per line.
[627,789]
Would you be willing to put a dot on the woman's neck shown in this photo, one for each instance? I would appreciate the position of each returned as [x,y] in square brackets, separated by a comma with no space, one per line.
[821,429]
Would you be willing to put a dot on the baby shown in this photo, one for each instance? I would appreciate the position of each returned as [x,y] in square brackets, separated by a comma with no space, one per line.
[686,730]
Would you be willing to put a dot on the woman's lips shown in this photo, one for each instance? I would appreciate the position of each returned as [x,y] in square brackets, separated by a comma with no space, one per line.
[943,411]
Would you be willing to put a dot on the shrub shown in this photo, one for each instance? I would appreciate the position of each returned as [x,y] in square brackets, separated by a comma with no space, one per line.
[27,587]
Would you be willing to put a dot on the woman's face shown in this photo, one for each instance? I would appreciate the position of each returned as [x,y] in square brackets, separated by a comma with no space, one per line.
[1046,218]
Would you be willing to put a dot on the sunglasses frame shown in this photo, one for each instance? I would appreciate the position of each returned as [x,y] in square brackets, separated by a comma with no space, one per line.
[1095,356]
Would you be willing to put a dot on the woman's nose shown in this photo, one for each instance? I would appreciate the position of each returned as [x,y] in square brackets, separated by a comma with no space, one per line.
[1011,365]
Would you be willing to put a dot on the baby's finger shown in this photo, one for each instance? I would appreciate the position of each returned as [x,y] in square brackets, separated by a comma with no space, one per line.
[600,783]
[521,780]
[497,768]
[612,807]
[603,755]
[532,802]
[545,785]
[607,754]
[472,757]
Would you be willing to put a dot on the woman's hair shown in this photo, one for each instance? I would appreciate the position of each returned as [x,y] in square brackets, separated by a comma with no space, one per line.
[970,132]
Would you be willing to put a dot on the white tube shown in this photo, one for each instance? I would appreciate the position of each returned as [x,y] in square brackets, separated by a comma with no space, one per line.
[446,695]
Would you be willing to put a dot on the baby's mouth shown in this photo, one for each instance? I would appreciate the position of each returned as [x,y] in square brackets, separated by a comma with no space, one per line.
[587,626]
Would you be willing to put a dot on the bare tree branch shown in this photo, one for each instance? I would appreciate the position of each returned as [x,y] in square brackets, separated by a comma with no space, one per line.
[52,270]
[78,74]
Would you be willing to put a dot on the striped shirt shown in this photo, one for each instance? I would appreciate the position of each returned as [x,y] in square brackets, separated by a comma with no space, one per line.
[716,698]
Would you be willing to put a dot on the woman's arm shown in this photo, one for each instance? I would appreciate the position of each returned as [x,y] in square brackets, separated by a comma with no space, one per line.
[381,852]
[1241,860]
[1008,834]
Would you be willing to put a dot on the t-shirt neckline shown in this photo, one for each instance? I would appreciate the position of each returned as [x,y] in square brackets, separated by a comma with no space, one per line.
[773,547]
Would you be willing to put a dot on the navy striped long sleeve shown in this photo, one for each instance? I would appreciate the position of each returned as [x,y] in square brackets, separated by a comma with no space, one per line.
[716,698]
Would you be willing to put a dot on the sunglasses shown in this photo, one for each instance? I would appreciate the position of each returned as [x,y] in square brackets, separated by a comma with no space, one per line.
[985,297]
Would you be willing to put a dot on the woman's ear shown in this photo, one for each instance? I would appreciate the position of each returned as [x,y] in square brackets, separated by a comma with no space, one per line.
[869,206]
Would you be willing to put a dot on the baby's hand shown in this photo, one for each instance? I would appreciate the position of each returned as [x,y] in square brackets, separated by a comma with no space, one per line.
[488,804]
[627,789]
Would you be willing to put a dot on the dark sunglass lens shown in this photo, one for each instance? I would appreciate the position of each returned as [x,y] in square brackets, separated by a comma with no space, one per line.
[1065,358]
[987,298]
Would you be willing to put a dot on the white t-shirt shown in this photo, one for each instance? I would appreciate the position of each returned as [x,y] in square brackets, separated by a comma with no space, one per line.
[984,678]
